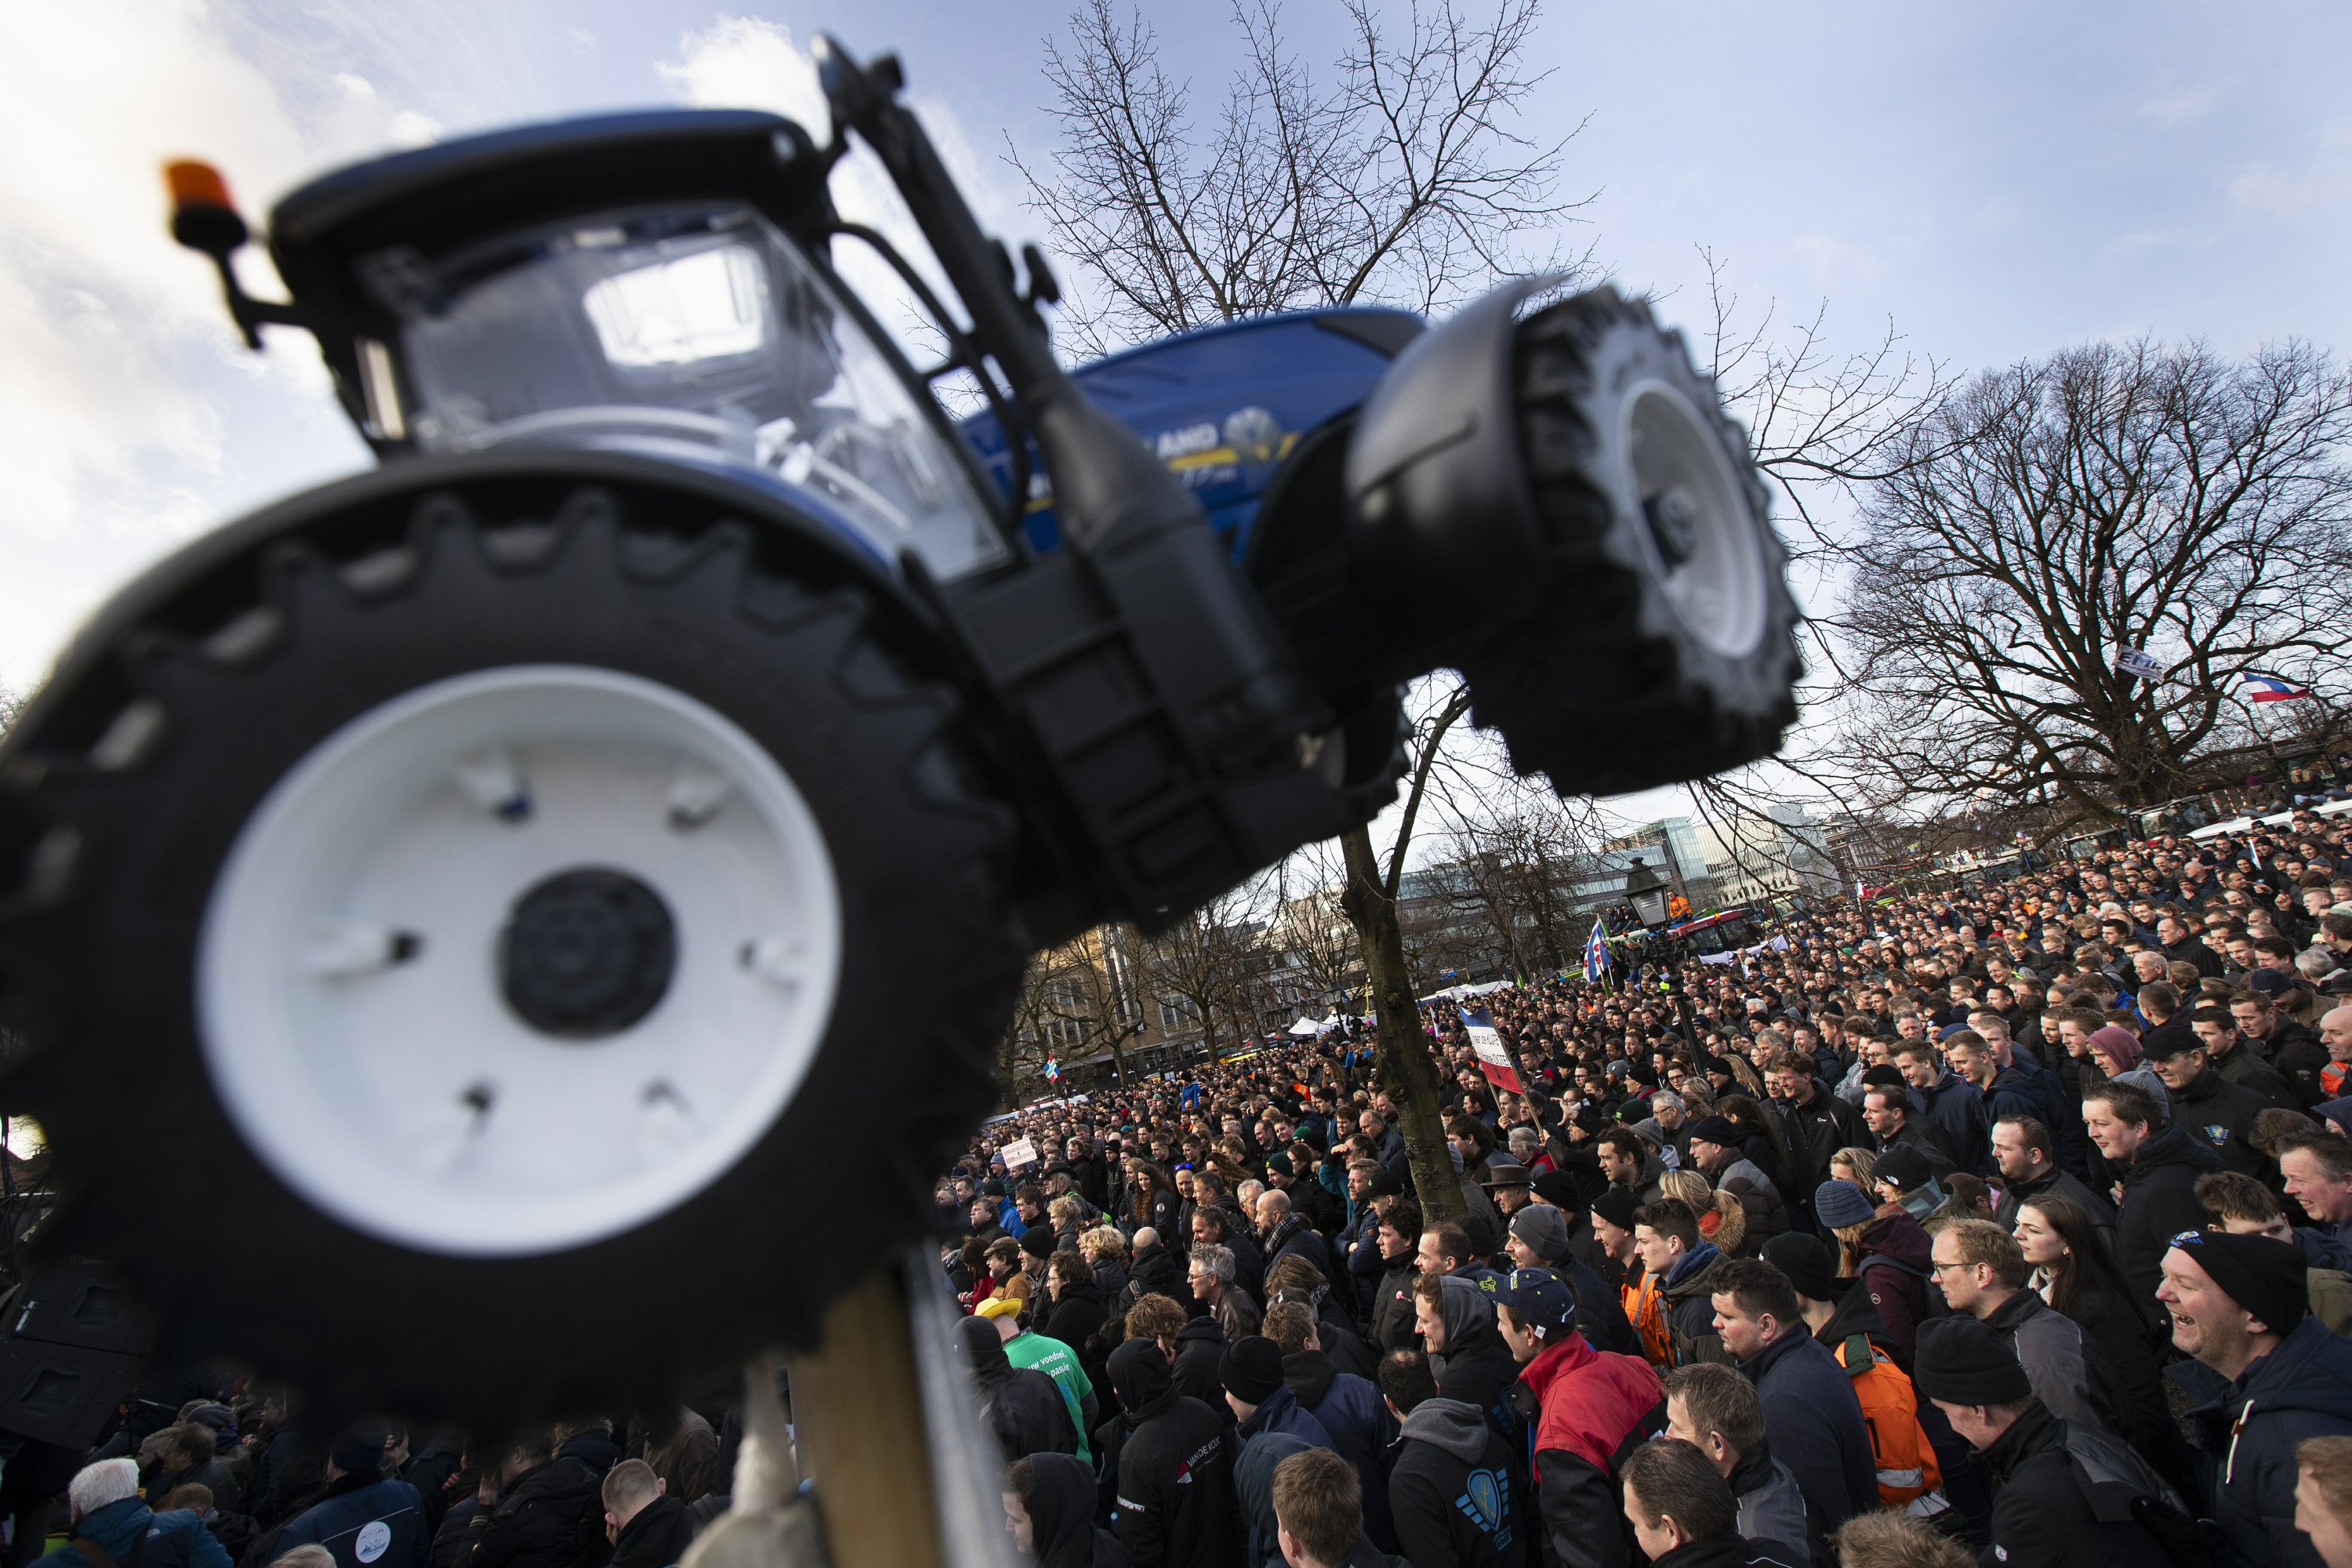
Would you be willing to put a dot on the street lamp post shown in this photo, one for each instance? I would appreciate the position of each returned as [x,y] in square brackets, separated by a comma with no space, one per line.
[1646,891]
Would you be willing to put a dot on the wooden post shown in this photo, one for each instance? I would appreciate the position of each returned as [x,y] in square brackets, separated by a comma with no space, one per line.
[857,1413]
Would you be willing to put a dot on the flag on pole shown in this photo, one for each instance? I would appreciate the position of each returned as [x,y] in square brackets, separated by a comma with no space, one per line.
[2271,689]
[1053,1071]
[1492,1061]
[2142,666]
[1596,953]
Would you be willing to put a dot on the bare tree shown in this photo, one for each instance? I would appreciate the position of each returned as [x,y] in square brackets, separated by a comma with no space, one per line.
[1314,930]
[2119,496]
[1206,963]
[1397,179]
[1077,999]
[1402,1051]
[10,706]
[1402,182]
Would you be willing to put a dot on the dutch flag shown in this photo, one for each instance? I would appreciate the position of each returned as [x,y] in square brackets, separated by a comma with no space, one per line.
[2271,689]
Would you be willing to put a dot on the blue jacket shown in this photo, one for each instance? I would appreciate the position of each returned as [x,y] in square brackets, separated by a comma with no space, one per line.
[377,1526]
[1814,1424]
[175,1540]
[1283,1412]
[2303,1389]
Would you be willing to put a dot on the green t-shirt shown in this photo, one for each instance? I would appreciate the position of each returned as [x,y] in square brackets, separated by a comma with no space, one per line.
[1053,1358]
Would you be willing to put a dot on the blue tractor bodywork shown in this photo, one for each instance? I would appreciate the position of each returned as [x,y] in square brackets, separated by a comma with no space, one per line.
[1224,407]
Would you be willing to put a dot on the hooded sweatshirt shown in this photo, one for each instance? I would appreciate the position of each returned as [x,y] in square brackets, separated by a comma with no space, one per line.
[1456,1490]
[1022,1408]
[1061,1517]
[1173,1506]
[1475,1366]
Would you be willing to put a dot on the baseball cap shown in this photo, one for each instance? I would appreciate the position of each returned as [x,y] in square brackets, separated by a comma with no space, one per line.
[1543,1301]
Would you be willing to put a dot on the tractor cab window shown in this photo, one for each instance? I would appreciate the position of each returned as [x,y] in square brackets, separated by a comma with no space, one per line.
[698,335]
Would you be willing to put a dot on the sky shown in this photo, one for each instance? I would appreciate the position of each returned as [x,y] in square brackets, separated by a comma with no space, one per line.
[1994,180]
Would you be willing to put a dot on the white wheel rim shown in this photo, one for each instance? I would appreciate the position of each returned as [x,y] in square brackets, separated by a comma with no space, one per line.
[400,1092]
[1715,583]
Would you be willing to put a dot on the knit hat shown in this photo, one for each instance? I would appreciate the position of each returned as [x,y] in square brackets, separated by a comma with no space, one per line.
[2261,1274]
[1907,1169]
[1252,1369]
[1883,1077]
[360,1450]
[2271,983]
[998,1306]
[1542,1301]
[1037,1241]
[1544,1229]
[1279,1164]
[1961,1362]
[2163,1044]
[1616,1205]
[1837,1203]
[1806,1262]
[1716,1130]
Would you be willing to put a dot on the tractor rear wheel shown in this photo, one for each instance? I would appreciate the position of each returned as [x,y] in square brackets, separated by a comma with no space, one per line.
[1668,650]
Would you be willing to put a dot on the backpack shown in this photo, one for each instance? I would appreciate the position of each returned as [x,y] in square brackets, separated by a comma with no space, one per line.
[1899,1451]
[2120,1484]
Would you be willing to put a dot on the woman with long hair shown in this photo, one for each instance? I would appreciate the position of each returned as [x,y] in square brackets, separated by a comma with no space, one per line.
[1853,1164]
[2076,1275]
[1151,1199]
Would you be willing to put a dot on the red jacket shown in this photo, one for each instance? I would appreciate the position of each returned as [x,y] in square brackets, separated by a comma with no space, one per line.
[1595,1406]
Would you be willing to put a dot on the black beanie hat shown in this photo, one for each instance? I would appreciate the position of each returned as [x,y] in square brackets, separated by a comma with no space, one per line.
[1616,1205]
[1807,1264]
[1961,1362]
[1037,1241]
[2265,1275]
[360,1450]
[1557,1188]
[1252,1369]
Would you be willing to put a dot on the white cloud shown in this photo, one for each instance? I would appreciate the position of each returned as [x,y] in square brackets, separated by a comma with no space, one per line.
[747,62]
[121,362]
[2178,105]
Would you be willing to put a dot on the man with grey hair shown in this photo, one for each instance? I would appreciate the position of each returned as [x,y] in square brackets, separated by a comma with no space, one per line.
[1672,1115]
[1211,1280]
[108,1514]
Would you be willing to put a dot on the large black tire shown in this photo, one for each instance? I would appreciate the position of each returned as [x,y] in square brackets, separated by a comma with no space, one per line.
[1616,685]
[107,851]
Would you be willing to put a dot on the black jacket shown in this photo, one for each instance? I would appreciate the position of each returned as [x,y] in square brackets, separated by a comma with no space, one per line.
[2159,1203]
[1158,1271]
[1076,1318]
[1174,1505]
[1392,1308]
[1023,1406]
[656,1536]
[2043,1514]
[2296,1056]
[2221,1115]
[1813,1132]
[1200,1352]
[1456,1490]
[1729,1550]
[552,1517]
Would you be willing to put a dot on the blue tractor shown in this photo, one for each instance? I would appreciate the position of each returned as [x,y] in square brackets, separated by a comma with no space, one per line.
[500,880]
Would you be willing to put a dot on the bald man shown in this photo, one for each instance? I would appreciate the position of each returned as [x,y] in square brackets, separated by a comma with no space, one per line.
[1282,1234]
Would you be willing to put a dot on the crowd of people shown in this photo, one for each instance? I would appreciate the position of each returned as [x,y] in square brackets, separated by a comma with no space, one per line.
[1995,1222]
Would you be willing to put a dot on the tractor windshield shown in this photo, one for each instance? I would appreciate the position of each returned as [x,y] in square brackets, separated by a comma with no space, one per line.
[703,334]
